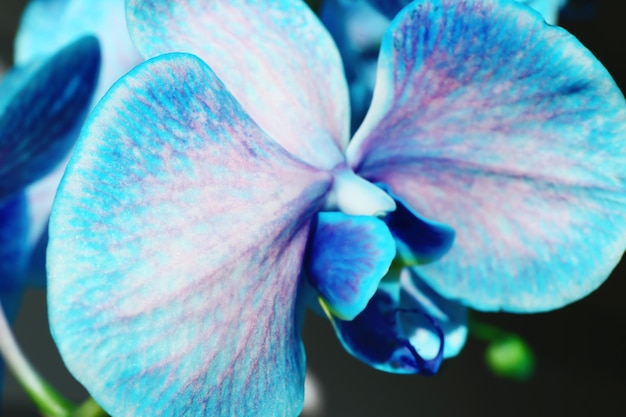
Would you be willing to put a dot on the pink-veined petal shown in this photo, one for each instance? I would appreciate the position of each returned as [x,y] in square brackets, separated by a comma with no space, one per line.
[509,130]
[176,243]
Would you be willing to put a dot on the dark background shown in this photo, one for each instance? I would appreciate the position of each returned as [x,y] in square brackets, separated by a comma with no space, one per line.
[580,350]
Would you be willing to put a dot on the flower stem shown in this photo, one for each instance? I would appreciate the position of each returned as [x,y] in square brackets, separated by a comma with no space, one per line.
[89,408]
[49,402]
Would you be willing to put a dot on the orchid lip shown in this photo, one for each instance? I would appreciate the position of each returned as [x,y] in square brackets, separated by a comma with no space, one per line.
[356,196]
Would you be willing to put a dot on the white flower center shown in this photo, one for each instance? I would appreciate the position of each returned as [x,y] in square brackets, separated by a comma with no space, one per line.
[356,196]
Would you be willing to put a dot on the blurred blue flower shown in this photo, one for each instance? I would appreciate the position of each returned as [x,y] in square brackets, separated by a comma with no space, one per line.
[42,103]
[205,207]
[46,27]
[56,80]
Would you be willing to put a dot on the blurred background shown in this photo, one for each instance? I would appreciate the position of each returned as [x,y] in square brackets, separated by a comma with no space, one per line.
[580,350]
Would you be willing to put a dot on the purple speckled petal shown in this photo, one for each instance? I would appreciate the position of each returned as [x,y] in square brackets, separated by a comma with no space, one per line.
[348,257]
[509,130]
[48,25]
[176,244]
[275,57]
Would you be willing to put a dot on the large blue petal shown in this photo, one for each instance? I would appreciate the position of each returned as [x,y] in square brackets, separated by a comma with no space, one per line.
[509,130]
[41,105]
[48,25]
[275,57]
[348,257]
[176,243]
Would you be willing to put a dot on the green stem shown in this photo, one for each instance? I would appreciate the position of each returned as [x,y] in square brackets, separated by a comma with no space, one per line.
[486,332]
[89,408]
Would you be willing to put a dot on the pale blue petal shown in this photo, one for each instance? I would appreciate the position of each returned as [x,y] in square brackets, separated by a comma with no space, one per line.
[48,25]
[41,106]
[176,244]
[348,257]
[275,57]
[510,131]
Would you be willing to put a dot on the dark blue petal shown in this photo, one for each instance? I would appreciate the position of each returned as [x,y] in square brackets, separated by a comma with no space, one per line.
[348,257]
[420,241]
[41,106]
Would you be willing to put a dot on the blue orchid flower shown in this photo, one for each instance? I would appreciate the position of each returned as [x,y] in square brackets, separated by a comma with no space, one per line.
[205,205]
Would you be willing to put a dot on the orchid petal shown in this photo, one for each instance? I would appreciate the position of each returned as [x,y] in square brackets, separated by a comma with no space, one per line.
[178,233]
[419,240]
[41,107]
[48,25]
[516,138]
[275,57]
[349,255]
